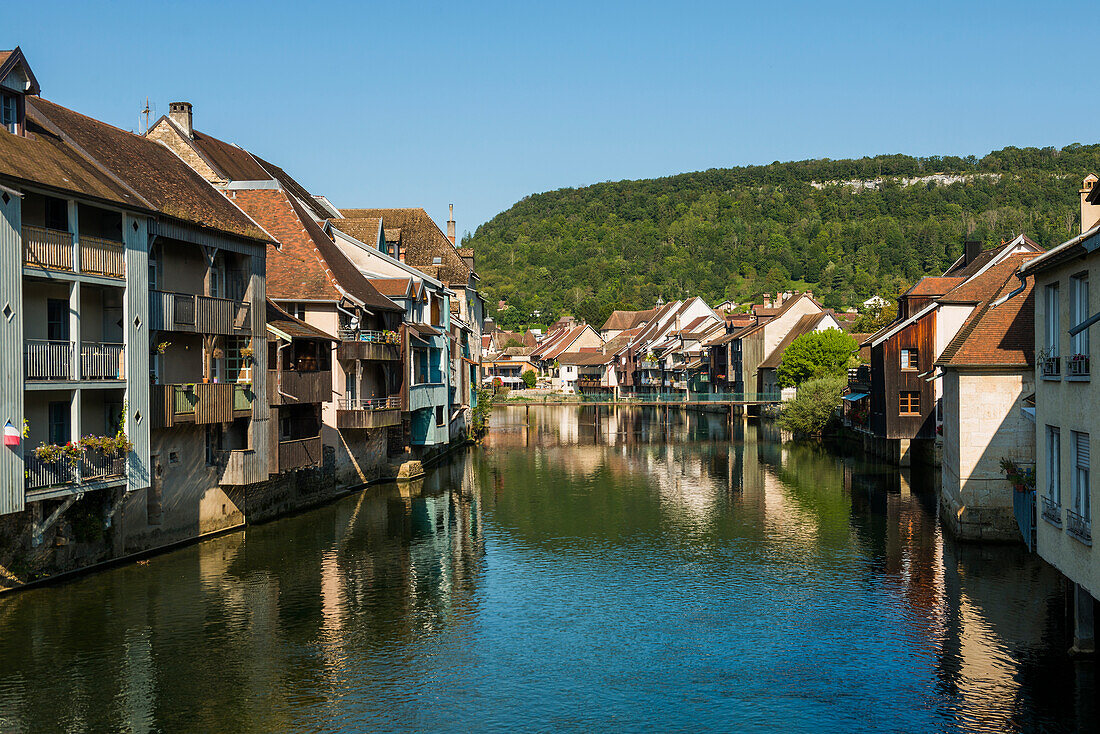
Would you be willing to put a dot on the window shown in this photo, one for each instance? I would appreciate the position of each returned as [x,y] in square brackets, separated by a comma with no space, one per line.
[9,111]
[213,443]
[436,375]
[1081,474]
[1054,464]
[1052,320]
[57,320]
[437,319]
[59,422]
[908,359]
[910,402]
[420,365]
[1080,312]
[238,368]
[439,416]
[297,310]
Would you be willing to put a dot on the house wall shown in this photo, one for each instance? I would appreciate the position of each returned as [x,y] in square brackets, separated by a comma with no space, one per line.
[983,423]
[1070,405]
[920,335]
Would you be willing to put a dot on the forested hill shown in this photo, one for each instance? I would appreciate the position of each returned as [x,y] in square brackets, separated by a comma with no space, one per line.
[844,228]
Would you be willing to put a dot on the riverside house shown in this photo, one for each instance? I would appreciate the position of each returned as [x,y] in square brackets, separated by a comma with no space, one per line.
[133,342]
[904,405]
[1067,422]
[769,368]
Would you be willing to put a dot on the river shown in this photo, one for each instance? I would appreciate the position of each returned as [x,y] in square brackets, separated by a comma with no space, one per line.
[568,576]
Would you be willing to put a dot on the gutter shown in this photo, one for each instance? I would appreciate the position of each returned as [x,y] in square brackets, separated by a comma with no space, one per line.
[1023,284]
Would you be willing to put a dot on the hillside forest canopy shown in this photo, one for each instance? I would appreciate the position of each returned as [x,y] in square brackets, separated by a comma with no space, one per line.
[845,229]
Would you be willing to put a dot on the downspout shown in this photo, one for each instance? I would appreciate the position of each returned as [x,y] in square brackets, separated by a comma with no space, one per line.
[1013,294]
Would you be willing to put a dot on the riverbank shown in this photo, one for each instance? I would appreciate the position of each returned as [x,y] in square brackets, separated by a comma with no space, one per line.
[79,546]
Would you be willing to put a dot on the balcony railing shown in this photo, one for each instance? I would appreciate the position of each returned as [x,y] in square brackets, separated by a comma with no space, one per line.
[102,361]
[646,364]
[92,465]
[1079,526]
[102,257]
[193,313]
[299,453]
[1052,511]
[47,248]
[199,403]
[372,337]
[53,249]
[1077,366]
[1051,366]
[390,403]
[47,360]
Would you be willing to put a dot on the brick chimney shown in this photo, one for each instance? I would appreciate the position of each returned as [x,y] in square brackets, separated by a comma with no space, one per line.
[451,225]
[1090,213]
[180,113]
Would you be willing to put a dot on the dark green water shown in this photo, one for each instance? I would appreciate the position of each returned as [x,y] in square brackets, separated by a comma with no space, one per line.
[568,579]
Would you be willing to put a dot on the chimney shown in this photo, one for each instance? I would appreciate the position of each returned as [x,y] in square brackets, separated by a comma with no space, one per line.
[971,252]
[1090,213]
[180,113]
[451,225]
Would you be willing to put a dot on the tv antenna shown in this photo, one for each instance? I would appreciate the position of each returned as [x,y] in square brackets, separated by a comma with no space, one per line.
[146,112]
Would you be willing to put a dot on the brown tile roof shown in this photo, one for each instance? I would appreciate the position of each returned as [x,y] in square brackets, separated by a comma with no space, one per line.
[392,234]
[365,230]
[933,285]
[422,241]
[393,287]
[304,197]
[965,270]
[71,152]
[621,320]
[760,323]
[308,265]
[292,326]
[585,359]
[234,163]
[980,288]
[997,337]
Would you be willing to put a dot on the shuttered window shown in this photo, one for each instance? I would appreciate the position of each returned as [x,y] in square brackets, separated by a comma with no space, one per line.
[1081,474]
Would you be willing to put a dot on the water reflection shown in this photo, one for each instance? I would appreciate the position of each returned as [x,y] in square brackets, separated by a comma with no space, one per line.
[585,571]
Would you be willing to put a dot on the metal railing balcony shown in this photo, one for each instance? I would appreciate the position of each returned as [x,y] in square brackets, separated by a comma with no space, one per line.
[371,337]
[1052,511]
[1079,527]
[102,361]
[1077,366]
[44,359]
[91,465]
[1051,366]
[391,403]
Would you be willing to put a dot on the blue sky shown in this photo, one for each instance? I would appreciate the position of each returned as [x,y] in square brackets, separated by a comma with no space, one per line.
[425,104]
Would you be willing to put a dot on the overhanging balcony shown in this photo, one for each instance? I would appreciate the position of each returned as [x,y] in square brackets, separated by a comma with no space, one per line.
[90,466]
[197,314]
[369,413]
[376,345]
[292,387]
[199,403]
[300,453]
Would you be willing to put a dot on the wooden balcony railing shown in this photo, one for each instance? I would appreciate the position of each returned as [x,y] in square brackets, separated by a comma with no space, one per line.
[47,248]
[199,403]
[193,313]
[102,361]
[293,387]
[102,257]
[92,465]
[240,466]
[47,360]
[299,453]
[53,249]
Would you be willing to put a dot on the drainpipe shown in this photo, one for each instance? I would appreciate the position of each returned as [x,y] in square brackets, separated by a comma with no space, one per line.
[1084,324]
[1013,294]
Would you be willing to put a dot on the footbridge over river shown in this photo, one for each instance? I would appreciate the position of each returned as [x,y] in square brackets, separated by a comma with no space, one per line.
[662,400]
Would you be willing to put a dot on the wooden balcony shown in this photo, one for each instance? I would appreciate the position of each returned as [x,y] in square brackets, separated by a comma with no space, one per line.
[351,350]
[370,413]
[53,249]
[199,403]
[196,314]
[299,387]
[240,467]
[300,453]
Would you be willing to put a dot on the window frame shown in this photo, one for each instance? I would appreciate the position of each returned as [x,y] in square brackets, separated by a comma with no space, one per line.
[903,402]
[910,356]
[1081,477]
[1054,464]
[1052,296]
[1080,296]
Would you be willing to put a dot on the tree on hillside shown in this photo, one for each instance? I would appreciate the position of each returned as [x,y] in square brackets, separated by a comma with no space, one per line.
[817,354]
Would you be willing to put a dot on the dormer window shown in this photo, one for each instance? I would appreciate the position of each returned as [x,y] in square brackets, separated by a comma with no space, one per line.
[9,111]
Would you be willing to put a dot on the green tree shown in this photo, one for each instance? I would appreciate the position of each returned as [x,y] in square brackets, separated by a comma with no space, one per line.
[871,321]
[817,354]
[814,408]
[529,378]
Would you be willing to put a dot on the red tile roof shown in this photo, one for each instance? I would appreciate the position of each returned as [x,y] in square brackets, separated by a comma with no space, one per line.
[422,241]
[621,320]
[933,286]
